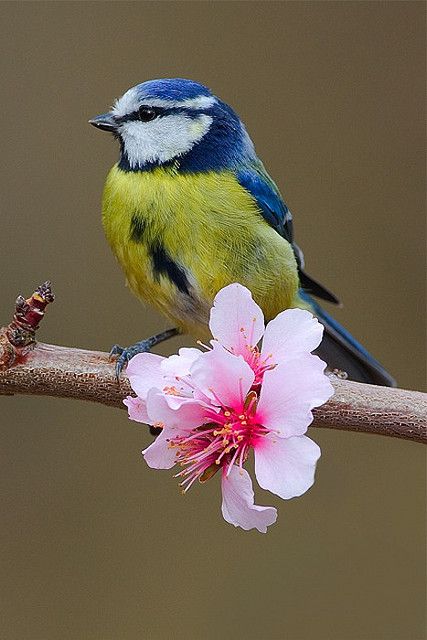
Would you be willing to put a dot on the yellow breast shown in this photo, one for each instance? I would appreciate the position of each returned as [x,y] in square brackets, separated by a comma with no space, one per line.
[182,237]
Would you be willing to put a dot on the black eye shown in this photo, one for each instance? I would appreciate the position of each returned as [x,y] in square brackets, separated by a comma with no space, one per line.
[145,114]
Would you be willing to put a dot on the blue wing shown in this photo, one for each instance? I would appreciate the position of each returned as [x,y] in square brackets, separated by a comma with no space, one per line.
[255,179]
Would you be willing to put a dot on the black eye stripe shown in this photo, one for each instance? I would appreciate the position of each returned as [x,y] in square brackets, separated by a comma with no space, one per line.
[160,112]
[136,115]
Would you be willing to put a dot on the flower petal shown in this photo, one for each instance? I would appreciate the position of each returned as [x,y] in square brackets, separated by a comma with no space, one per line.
[159,455]
[144,373]
[236,320]
[137,409]
[222,377]
[182,418]
[286,466]
[238,506]
[179,365]
[289,393]
[291,333]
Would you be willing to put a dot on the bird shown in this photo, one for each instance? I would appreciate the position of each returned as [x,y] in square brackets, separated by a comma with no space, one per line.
[190,208]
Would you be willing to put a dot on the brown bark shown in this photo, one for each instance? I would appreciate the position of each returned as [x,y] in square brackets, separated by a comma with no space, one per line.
[89,375]
[28,367]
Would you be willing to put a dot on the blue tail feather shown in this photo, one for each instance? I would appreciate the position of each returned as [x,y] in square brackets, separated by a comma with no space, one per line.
[342,351]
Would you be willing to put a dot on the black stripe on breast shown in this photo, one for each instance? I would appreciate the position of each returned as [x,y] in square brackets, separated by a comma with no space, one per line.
[164,265]
[137,228]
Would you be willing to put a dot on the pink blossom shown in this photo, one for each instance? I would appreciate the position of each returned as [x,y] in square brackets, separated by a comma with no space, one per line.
[226,419]
[148,370]
[216,407]
[237,323]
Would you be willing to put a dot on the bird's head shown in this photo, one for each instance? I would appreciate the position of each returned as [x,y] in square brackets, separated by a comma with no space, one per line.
[175,122]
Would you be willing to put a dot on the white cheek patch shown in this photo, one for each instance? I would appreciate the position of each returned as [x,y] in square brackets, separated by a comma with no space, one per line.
[162,139]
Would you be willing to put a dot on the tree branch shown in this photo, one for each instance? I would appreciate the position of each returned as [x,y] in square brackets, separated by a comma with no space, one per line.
[64,372]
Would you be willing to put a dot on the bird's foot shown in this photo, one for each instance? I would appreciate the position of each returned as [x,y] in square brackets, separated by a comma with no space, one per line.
[124,354]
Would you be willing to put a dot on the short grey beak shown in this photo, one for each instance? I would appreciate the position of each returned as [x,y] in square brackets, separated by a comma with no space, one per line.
[105,121]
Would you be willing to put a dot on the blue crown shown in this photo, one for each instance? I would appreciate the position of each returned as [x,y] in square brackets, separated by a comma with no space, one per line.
[172,89]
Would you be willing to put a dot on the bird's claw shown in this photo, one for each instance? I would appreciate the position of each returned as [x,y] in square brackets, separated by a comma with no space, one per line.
[126,353]
[116,350]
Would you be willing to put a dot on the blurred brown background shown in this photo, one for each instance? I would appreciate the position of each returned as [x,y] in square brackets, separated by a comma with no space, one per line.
[95,546]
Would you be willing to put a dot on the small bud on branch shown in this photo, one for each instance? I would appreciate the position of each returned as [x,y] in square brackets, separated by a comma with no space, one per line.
[19,337]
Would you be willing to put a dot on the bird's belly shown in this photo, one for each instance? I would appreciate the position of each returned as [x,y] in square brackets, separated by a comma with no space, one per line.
[180,239]
[185,310]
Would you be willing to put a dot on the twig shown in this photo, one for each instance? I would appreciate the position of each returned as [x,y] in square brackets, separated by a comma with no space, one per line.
[64,372]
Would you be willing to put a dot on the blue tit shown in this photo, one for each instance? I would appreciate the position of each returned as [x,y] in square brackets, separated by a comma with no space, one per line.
[189,208]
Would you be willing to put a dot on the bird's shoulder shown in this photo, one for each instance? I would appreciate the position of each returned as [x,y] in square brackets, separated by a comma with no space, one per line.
[254,178]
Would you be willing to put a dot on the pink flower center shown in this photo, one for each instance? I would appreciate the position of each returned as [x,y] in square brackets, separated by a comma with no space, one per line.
[223,442]
[258,363]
